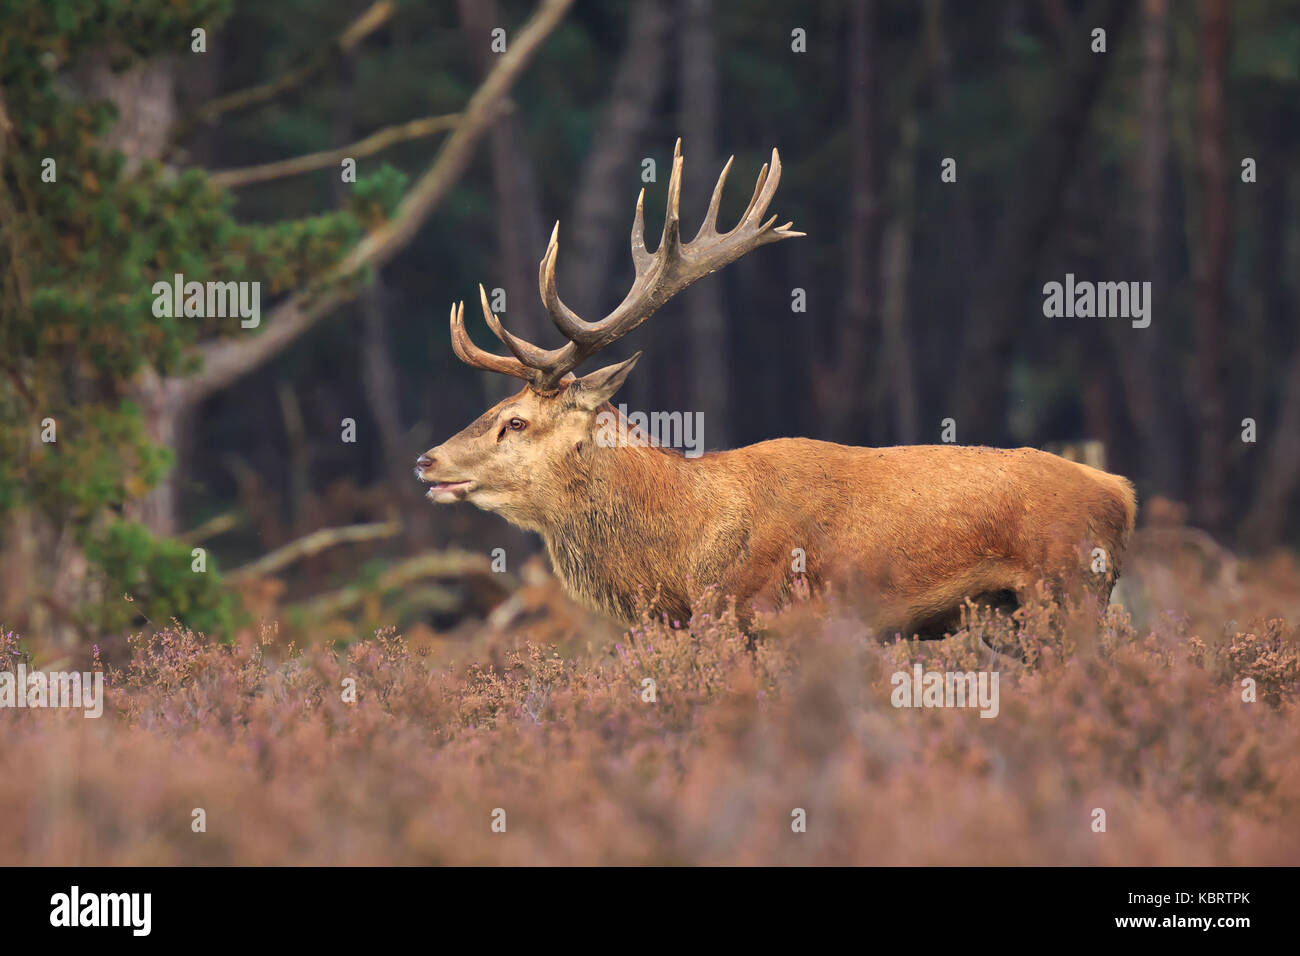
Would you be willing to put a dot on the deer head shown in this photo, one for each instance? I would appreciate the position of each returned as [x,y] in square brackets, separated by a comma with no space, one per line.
[516,457]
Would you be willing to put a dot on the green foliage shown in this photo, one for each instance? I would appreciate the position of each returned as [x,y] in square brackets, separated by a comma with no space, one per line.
[155,578]
[83,241]
[375,197]
[101,459]
[37,30]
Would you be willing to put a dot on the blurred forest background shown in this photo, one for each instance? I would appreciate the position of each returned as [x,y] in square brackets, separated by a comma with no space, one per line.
[923,298]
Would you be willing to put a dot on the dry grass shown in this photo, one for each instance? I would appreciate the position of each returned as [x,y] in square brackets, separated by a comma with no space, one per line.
[1148,725]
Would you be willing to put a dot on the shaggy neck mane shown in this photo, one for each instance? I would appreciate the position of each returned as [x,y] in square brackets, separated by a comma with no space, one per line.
[621,522]
[629,481]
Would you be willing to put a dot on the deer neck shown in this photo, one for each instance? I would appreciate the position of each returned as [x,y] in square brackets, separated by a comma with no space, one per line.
[625,528]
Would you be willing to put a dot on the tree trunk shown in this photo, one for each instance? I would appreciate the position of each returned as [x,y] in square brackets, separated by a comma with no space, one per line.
[1212,265]
[980,388]
[706,324]
[520,235]
[1267,518]
[165,417]
[602,210]
[896,259]
[845,392]
[380,378]
[964,241]
[1274,501]
[145,98]
[1141,353]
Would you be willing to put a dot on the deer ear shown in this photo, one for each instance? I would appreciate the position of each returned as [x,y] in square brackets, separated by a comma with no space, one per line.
[594,390]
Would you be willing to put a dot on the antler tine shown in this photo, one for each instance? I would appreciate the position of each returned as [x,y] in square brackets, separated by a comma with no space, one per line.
[710,225]
[754,199]
[475,357]
[765,191]
[526,352]
[564,318]
[640,257]
[670,241]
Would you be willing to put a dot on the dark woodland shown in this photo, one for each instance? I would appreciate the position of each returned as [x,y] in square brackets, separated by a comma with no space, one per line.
[180,489]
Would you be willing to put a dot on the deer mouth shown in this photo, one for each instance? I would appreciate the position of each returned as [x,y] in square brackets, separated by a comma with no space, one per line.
[448,490]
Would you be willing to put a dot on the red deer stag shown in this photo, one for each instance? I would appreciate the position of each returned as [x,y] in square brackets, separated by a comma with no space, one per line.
[908,531]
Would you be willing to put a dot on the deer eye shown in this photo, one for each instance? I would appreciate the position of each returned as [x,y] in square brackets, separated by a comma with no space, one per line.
[515,425]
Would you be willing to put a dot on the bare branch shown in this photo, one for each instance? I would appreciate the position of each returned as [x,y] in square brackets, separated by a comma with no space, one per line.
[599,207]
[437,564]
[6,124]
[374,143]
[376,16]
[225,361]
[311,544]
[227,521]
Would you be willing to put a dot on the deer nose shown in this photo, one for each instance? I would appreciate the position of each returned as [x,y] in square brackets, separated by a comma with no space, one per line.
[424,463]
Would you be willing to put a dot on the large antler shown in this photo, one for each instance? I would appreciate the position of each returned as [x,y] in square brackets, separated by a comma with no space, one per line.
[672,267]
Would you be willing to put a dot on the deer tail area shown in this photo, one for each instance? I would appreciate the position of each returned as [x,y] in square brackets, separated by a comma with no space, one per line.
[1116,526]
